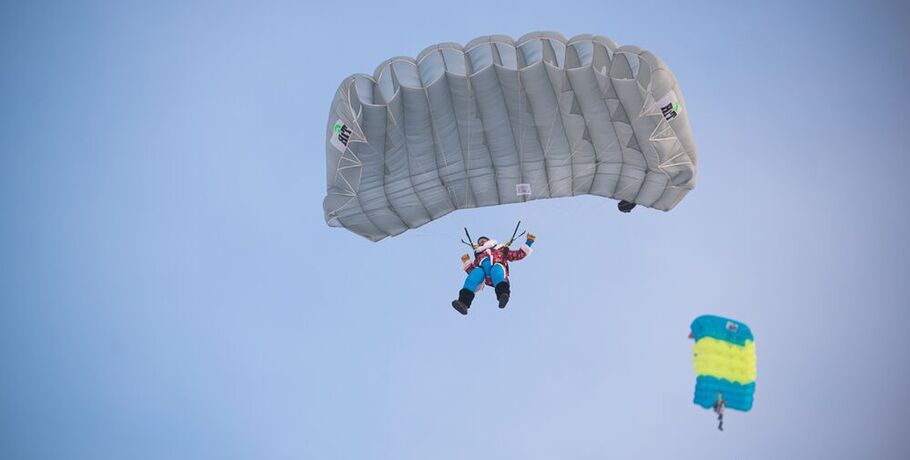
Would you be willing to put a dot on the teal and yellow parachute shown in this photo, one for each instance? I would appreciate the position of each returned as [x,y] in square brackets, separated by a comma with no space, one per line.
[724,359]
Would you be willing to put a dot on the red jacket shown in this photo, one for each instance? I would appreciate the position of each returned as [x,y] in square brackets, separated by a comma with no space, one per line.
[500,255]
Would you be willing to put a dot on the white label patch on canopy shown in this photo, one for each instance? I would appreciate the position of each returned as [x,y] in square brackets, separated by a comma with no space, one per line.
[341,134]
[670,106]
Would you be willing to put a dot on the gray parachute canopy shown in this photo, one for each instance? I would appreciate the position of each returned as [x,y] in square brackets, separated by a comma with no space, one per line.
[502,121]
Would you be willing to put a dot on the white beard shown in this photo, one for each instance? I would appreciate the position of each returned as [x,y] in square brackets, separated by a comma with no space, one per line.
[488,245]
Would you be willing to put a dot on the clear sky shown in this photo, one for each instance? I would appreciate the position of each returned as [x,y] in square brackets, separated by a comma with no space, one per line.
[169,289]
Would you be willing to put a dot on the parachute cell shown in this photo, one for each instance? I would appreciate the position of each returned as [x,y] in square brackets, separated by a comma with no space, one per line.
[724,359]
[502,121]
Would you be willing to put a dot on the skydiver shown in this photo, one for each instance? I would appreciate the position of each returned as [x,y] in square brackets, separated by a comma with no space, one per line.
[719,410]
[491,267]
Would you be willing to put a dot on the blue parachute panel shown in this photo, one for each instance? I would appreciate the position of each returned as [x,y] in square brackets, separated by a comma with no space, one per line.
[721,328]
[736,395]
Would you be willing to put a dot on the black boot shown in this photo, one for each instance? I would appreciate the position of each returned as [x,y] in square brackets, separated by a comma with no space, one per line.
[465,297]
[502,293]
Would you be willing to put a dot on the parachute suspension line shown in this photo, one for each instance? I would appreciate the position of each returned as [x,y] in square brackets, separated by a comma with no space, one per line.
[469,199]
[550,130]
[437,146]
[521,127]
[470,106]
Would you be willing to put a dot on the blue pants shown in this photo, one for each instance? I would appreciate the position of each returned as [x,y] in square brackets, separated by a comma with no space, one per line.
[486,269]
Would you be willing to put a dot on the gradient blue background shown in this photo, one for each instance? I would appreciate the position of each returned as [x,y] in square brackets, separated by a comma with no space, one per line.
[169,288]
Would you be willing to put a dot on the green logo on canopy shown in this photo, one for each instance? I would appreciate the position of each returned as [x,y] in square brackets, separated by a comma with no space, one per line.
[338,126]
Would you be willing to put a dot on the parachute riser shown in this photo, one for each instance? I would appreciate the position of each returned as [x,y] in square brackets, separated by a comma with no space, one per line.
[470,241]
[515,234]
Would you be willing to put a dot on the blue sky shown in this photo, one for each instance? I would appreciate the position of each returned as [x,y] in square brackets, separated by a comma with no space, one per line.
[169,289]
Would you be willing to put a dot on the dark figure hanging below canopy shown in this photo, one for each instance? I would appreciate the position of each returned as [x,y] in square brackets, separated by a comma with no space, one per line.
[490,266]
